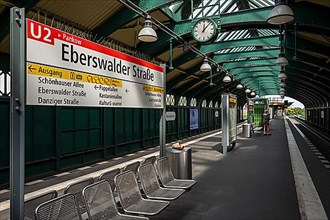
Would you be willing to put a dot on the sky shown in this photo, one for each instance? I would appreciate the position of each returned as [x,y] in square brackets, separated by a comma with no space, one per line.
[296,103]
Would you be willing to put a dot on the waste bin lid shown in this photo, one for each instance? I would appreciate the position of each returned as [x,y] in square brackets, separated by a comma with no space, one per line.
[172,150]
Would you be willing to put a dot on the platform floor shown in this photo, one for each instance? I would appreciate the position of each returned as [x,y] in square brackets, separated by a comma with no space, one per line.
[253,181]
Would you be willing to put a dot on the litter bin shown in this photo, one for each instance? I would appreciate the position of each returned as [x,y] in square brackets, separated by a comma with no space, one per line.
[247,130]
[180,162]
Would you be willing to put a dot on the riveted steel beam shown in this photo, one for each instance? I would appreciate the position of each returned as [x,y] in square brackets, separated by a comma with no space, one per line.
[292,89]
[184,27]
[184,89]
[182,77]
[255,69]
[252,68]
[184,59]
[224,87]
[308,70]
[258,41]
[228,57]
[254,62]
[181,11]
[297,88]
[299,74]
[306,45]
[305,58]
[126,15]
[256,73]
[311,14]
[310,87]
[300,96]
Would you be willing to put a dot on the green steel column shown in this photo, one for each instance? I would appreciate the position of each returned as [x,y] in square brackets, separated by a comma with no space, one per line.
[171,55]
[17,112]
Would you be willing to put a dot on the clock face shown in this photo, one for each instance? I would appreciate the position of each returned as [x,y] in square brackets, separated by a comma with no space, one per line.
[204,30]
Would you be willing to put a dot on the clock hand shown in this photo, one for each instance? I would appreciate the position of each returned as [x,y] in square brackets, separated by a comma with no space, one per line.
[204,28]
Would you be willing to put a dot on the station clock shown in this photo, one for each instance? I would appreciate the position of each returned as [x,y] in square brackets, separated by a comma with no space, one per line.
[204,30]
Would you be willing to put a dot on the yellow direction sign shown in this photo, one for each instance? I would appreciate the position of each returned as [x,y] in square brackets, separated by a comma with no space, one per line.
[54,72]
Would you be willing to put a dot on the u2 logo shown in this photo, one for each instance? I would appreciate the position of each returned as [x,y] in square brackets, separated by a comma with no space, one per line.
[40,33]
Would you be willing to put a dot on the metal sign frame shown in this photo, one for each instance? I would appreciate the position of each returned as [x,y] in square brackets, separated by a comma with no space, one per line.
[17,111]
[227,142]
[73,71]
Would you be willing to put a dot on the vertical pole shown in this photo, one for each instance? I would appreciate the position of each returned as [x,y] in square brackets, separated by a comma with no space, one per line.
[171,55]
[211,82]
[17,112]
[192,9]
[162,123]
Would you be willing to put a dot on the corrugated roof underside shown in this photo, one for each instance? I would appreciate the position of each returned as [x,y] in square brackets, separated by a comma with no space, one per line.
[5,45]
[86,13]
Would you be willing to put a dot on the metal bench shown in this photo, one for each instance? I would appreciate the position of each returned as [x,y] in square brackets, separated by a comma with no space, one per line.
[30,205]
[166,176]
[131,199]
[110,176]
[64,207]
[133,167]
[151,160]
[100,203]
[76,189]
[151,187]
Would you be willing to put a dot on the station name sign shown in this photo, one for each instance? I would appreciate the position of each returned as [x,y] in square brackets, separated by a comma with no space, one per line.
[66,70]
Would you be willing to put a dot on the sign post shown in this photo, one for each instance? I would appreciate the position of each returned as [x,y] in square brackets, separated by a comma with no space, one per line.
[56,68]
[17,112]
[229,121]
[162,122]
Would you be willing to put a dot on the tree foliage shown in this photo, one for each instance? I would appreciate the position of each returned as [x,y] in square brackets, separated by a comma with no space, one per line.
[295,111]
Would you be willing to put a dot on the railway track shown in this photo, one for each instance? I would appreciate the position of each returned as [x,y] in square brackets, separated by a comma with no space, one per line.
[318,141]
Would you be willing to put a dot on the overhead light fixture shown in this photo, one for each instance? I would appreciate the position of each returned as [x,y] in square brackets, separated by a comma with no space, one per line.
[253,93]
[257,96]
[282,90]
[281,60]
[239,86]
[226,79]
[282,84]
[147,33]
[280,14]
[282,75]
[205,66]
[247,90]
[282,93]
